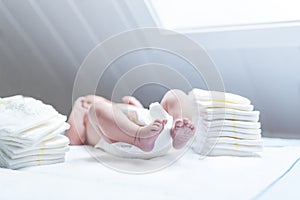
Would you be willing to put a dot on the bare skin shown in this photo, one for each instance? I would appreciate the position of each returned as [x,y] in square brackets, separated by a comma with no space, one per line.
[177,104]
[104,119]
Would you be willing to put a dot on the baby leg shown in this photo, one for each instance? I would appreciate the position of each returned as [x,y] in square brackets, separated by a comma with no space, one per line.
[114,126]
[178,105]
[132,101]
[78,117]
[76,133]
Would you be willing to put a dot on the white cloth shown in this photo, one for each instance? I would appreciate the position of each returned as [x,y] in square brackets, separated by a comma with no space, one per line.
[143,116]
[30,133]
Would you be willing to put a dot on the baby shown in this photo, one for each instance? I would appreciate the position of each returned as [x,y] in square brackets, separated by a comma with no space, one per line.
[94,118]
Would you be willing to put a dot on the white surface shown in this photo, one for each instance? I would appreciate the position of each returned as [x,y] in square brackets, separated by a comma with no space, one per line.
[82,177]
[286,187]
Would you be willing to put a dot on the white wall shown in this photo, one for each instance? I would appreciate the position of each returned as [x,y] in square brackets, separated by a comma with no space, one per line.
[43,42]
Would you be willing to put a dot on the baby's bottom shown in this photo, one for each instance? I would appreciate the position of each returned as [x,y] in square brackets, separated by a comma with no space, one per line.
[79,120]
[94,117]
[102,119]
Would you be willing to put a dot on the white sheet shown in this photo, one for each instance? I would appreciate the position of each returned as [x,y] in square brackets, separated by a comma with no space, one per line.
[82,177]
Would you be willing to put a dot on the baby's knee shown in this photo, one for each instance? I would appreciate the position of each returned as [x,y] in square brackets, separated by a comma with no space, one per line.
[100,111]
[172,97]
[97,109]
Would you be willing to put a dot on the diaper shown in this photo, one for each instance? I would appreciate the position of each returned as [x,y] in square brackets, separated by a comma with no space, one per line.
[48,151]
[142,116]
[225,145]
[30,160]
[209,96]
[18,114]
[217,111]
[223,104]
[227,126]
[37,134]
[30,133]
[231,134]
[231,123]
[231,129]
[230,152]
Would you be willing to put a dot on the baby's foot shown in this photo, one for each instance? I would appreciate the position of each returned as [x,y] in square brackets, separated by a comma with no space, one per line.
[147,135]
[182,131]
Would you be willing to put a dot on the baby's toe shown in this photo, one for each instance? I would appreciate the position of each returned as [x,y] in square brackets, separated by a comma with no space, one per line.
[186,121]
[179,123]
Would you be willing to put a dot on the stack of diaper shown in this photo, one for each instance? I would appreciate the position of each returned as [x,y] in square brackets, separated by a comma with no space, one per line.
[30,133]
[227,124]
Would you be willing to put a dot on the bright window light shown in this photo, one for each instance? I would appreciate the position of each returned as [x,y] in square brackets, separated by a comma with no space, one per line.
[193,14]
